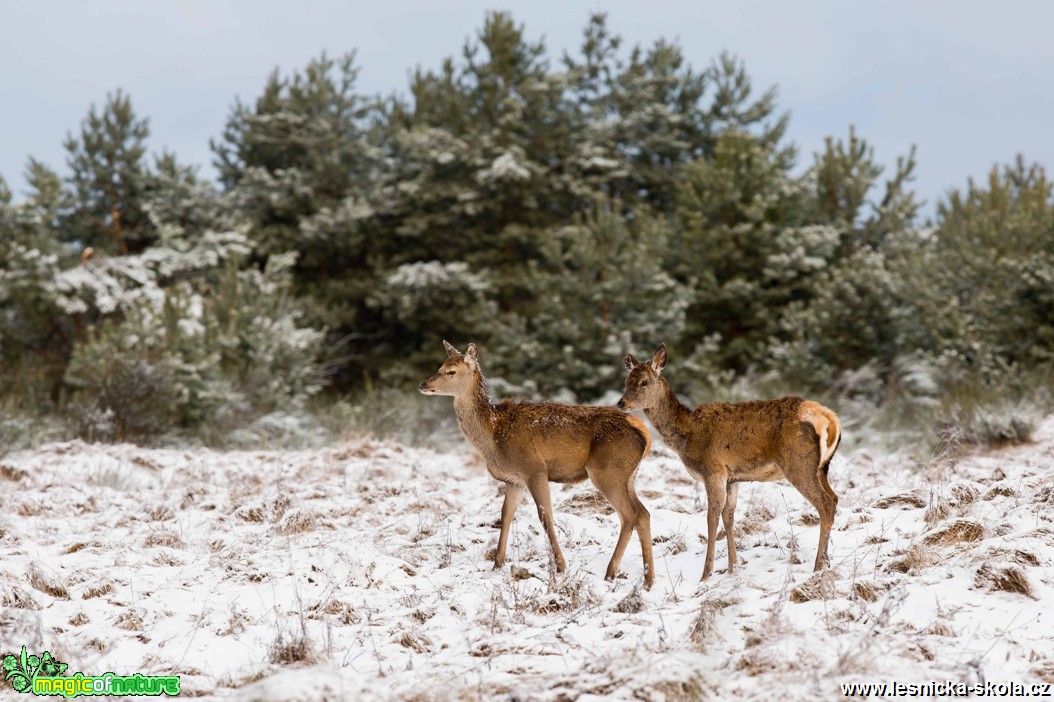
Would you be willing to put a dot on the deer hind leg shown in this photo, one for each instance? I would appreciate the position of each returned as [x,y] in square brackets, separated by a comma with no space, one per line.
[830,501]
[810,478]
[513,496]
[617,487]
[539,489]
[728,516]
[716,494]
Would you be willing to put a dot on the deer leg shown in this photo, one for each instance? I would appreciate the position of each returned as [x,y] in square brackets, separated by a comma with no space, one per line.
[830,504]
[513,496]
[728,516]
[539,488]
[632,515]
[814,487]
[716,487]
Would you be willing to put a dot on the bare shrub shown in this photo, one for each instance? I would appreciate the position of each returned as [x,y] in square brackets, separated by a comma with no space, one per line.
[1004,578]
[957,531]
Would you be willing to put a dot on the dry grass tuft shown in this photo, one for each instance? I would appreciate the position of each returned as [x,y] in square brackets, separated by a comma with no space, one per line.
[1044,671]
[963,494]
[869,591]
[79,619]
[566,595]
[416,642]
[999,490]
[160,513]
[47,581]
[821,586]
[937,512]
[164,558]
[16,598]
[809,519]
[939,628]
[756,520]
[296,521]
[914,560]
[253,513]
[705,629]
[129,620]
[955,532]
[1044,496]
[631,603]
[587,502]
[97,591]
[163,537]
[904,500]
[291,648]
[1004,578]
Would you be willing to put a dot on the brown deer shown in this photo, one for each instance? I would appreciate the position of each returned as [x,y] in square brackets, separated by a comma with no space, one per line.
[530,444]
[725,444]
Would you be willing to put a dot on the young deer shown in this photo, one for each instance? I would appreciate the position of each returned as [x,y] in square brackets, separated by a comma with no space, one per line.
[725,444]
[530,444]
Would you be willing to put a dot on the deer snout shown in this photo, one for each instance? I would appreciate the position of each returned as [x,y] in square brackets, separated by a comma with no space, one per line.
[424,387]
[621,404]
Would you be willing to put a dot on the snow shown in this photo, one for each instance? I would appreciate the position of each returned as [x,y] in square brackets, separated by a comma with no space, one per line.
[360,571]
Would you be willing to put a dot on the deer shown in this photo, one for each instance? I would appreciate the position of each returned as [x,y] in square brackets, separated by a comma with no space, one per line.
[528,444]
[724,444]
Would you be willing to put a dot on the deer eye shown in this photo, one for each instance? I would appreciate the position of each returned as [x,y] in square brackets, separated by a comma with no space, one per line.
[644,383]
[451,373]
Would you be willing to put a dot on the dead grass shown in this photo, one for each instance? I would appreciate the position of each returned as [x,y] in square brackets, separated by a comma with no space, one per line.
[566,595]
[955,532]
[15,597]
[755,520]
[290,648]
[1044,671]
[869,590]
[939,628]
[163,537]
[415,642]
[1004,578]
[97,591]
[129,620]
[631,603]
[904,500]
[705,630]
[821,586]
[999,490]
[79,619]
[296,521]
[47,581]
[913,560]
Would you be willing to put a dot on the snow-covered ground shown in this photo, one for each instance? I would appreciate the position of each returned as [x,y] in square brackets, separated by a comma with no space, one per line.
[361,572]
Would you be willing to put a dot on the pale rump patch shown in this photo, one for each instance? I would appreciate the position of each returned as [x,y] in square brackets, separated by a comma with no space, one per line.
[636,421]
[827,427]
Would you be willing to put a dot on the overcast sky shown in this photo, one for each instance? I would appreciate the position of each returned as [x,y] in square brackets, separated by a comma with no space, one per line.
[971,83]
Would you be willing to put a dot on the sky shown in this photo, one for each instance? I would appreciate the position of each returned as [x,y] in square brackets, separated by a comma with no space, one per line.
[970,83]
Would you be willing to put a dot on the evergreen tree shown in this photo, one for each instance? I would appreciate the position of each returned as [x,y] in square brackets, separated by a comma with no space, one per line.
[107,172]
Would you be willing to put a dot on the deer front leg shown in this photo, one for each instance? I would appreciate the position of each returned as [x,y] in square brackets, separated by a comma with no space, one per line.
[716,487]
[513,496]
[539,487]
[728,517]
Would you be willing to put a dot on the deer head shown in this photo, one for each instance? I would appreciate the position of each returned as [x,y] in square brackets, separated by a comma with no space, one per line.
[457,375]
[644,388]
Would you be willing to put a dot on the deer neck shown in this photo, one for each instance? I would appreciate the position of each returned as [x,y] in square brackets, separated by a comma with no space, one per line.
[476,415]
[670,417]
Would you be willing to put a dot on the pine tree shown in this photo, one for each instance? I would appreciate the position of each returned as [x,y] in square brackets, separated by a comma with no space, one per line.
[107,173]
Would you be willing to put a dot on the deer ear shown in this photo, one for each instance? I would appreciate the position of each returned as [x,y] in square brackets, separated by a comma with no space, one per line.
[629,361]
[658,361]
[451,352]
[471,352]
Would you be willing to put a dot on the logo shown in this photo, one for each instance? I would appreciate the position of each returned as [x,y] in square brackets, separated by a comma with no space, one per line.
[43,675]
